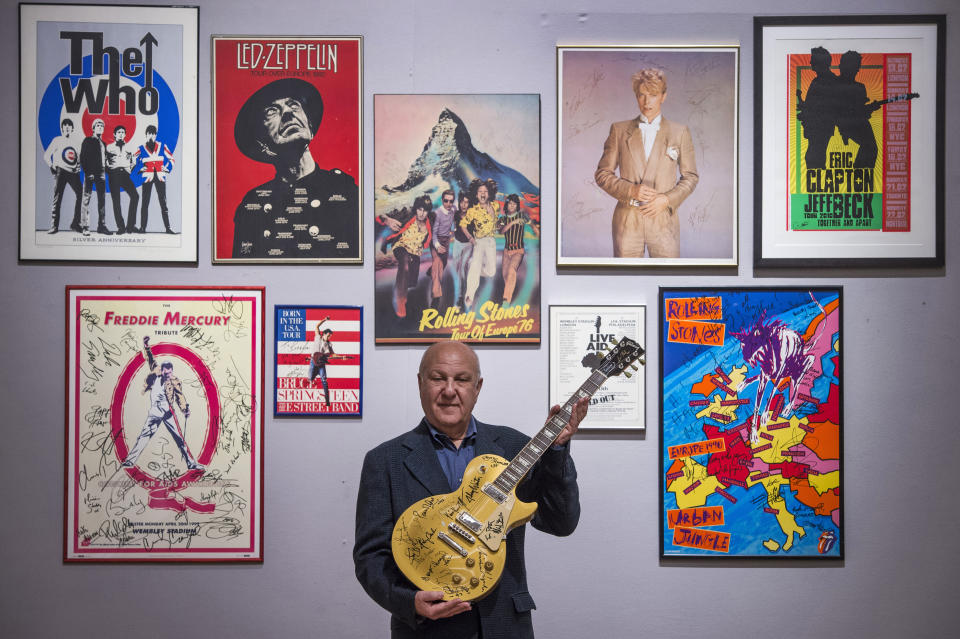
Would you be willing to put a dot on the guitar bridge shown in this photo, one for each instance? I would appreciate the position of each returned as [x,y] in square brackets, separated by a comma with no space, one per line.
[494,493]
[447,539]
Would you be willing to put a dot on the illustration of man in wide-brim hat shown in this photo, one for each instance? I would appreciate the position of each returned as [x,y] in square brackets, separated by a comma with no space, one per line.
[304,211]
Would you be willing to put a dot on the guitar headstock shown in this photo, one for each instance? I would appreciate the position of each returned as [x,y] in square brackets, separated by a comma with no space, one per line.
[623,354]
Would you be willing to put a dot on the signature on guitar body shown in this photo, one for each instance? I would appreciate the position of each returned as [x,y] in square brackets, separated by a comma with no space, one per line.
[455,543]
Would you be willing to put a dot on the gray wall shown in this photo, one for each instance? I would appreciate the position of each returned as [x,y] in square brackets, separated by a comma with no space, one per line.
[901,440]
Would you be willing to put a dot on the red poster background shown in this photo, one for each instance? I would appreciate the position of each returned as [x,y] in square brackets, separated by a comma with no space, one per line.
[336,144]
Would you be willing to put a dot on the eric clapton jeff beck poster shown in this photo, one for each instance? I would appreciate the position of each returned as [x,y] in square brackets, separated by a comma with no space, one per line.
[108,133]
[164,427]
[287,149]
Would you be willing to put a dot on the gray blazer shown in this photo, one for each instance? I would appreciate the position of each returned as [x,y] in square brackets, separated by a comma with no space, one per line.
[405,470]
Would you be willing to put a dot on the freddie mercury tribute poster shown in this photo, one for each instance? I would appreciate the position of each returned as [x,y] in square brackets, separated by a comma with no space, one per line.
[164,424]
[287,142]
[108,133]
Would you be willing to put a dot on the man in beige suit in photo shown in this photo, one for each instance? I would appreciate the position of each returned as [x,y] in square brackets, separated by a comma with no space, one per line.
[650,151]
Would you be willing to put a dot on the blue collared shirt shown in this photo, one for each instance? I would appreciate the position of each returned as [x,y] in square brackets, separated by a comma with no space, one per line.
[454,460]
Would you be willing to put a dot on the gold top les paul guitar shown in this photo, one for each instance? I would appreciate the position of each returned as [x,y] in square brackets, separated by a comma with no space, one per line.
[455,543]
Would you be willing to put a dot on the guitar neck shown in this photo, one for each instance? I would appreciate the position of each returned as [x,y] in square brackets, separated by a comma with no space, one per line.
[531,453]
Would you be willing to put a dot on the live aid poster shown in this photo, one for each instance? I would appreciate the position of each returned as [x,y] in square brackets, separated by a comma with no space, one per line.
[319,359]
[849,142]
[287,118]
[108,130]
[457,207]
[751,427]
[164,424]
[580,336]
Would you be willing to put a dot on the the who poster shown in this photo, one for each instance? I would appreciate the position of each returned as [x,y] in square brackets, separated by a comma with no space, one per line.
[287,121]
[164,424]
[108,133]
[319,361]
[751,422]
[457,208]
[849,146]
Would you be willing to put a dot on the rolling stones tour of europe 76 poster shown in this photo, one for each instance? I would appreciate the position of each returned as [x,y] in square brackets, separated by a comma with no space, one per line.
[164,424]
[108,133]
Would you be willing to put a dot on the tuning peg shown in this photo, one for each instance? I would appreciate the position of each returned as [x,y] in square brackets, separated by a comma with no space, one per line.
[614,341]
[634,367]
[626,374]
[643,360]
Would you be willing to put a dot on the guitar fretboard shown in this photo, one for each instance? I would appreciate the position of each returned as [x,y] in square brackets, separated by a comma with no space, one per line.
[529,455]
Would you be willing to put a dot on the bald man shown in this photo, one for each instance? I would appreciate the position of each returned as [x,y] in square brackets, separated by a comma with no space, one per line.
[430,460]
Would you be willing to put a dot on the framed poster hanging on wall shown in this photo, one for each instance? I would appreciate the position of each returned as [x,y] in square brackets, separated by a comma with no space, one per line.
[287,123]
[579,337]
[319,361]
[164,425]
[751,422]
[457,218]
[108,133]
[647,155]
[849,143]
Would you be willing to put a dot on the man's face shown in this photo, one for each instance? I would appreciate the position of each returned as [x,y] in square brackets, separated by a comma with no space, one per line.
[464,204]
[650,100]
[98,129]
[448,202]
[449,386]
[285,121]
[152,137]
[120,135]
[422,213]
[482,194]
[166,372]
[66,130]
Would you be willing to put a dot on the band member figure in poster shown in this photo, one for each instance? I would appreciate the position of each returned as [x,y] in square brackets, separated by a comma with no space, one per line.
[817,111]
[443,220]
[412,233]
[63,158]
[155,162]
[855,110]
[166,394]
[462,249]
[93,161]
[483,216]
[512,224]
[304,211]
[649,151]
[120,161]
[320,354]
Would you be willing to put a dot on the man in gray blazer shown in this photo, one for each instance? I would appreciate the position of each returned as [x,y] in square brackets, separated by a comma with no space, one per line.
[430,460]
[649,151]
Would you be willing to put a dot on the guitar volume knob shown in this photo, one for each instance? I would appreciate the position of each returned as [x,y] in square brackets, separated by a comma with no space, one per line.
[488,566]
[457,579]
[474,582]
[470,562]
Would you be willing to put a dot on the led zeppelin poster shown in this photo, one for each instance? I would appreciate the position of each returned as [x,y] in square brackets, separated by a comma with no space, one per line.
[287,118]
[319,360]
[164,424]
[457,218]
[751,423]
[851,160]
[108,133]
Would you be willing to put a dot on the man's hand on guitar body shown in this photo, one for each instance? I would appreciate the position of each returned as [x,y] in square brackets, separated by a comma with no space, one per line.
[430,604]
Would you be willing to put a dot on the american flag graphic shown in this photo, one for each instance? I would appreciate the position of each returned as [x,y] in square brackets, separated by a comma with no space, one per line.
[296,329]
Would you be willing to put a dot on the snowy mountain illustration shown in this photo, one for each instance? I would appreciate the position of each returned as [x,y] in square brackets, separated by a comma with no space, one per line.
[449,160]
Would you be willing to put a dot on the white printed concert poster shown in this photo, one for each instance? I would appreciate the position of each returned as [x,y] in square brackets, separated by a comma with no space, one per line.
[580,336]
[164,424]
[108,133]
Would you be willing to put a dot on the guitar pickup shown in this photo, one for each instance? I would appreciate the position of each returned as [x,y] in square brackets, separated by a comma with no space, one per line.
[460,531]
[468,520]
[447,539]
[494,493]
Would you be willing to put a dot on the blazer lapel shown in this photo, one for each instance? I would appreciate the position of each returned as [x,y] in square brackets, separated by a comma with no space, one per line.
[487,442]
[635,144]
[422,461]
